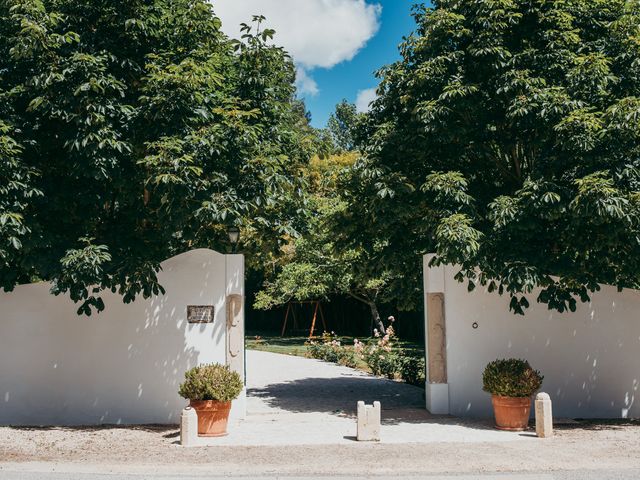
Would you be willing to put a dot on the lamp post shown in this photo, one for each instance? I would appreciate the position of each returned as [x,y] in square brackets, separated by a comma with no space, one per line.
[234,237]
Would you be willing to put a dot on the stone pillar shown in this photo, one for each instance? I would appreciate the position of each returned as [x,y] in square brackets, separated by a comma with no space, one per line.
[188,427]
[436,388]
[544,416]
[369,420]
[234,351]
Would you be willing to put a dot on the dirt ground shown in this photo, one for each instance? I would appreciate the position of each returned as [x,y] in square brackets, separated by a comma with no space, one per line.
[151,449]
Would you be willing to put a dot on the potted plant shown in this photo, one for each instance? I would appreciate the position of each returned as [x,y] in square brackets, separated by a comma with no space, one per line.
[511,383]
[210,390]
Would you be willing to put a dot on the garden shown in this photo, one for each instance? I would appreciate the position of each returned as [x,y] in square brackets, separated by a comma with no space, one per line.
[383,355]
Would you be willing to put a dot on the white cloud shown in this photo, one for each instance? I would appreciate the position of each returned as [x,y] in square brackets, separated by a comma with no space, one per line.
[364,99]
[317,33]
[305,83]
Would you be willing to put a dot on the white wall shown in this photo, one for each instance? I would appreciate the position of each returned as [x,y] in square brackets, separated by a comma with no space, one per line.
[590,358]
[121,366]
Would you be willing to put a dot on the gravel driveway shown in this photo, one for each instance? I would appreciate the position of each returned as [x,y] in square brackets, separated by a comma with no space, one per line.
[301,422]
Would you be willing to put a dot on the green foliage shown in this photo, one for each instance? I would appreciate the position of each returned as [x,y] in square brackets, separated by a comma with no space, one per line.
[511,378]
[16,191]
[506,140]
[382,355]
[330,349]
[131,131]
[412,370]
[211,382]
[342,127]
[338,252]
[326,349]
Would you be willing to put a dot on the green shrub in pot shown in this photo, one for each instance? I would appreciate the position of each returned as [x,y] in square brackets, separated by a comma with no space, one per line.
[511,378]
[211,382]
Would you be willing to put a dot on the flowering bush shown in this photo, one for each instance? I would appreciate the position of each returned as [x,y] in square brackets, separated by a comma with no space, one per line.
[381,354]
[324,350]
[330,349]
[348,357]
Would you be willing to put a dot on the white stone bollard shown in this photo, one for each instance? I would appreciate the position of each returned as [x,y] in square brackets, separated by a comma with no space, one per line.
[369,422]
[188,427]
[544,416]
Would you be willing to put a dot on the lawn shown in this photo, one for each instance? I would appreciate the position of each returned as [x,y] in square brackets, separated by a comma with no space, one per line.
[297,345]
[269,342]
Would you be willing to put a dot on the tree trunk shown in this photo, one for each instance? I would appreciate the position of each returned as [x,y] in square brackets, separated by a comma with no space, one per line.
[376,322]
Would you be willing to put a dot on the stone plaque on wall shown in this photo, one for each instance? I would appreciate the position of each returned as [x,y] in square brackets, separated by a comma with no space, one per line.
[200,313]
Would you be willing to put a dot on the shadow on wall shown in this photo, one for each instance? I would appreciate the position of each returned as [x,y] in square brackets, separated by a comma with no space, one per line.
[123,366]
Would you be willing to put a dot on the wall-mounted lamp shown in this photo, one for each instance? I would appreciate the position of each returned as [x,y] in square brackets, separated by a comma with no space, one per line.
[234,237]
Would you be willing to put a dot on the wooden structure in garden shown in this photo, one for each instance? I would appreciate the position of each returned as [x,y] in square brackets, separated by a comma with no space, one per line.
[317,308]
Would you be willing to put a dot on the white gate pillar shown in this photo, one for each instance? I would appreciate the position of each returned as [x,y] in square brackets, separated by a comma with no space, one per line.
[234,300]
[436,388]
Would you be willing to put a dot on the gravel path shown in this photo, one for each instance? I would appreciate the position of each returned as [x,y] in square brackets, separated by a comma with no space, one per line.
[578,475]
[301,423]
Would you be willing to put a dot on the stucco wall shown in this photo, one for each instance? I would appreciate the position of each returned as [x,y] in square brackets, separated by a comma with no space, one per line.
[121,366]
[590,358]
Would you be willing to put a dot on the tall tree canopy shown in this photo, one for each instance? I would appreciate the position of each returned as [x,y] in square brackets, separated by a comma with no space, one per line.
[342,127]
[507,139]
[339,254]
[132,130]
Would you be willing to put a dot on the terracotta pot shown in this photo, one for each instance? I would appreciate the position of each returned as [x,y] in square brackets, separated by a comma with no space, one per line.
[212,417]
[511,413]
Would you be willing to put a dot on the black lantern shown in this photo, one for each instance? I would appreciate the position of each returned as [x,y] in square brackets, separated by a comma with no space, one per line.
[234,236]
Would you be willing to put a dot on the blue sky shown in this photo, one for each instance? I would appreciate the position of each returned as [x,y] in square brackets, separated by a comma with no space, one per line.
[337,45]
[348,78]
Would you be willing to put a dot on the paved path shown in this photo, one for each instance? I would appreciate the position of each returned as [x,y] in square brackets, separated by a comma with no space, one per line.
[299,401]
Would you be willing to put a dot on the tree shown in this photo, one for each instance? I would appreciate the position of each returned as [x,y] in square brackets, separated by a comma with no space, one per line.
[507,140]
[342,125]
[131,131]
[338,254]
